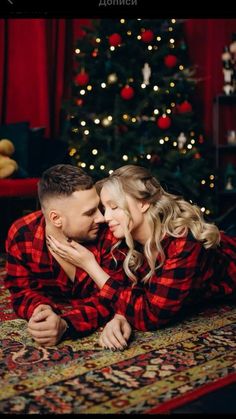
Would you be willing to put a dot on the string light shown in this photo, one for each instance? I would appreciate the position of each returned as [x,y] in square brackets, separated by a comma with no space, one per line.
[77,51]
[158,38]
[161,141]
[103,85]
[156,88]
[102,167]
[203,209]
[111,171]
[122,20]
[143,85]
[89,87]
[72,152]
[91,166]
[94,151]
[203,182]
[125,157]
[83,164]
[98,40]
[83,123]
[148,156]
[82,92]
[106,122]
[97,121]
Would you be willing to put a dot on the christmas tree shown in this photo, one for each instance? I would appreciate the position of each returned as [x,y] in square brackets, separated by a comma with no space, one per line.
[132,102]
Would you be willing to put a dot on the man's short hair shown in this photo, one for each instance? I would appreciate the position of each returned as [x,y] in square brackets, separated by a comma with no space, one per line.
[62,180]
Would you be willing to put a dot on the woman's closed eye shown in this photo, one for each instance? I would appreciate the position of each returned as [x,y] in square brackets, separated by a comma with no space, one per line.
[103,209]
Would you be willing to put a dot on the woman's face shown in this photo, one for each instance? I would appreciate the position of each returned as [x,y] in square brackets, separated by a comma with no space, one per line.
[117,219]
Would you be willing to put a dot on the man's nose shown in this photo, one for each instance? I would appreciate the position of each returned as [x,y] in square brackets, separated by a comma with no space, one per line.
[99,217]
[107,215]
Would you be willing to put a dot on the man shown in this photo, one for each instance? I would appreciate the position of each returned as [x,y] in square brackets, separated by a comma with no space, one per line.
[40,282]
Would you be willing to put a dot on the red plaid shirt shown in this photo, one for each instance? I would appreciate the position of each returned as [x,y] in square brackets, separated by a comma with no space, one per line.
[34,277]
[190,274]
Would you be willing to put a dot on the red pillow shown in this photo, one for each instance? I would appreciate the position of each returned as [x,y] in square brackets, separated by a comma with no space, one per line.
[18,187]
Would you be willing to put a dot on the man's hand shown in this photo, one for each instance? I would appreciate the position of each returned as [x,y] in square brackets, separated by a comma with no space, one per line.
[40,307]
[116,333]
[45,326]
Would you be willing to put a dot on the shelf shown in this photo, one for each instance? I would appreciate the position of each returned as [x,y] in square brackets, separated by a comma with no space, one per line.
[230,192]
[227,147]
[225,99]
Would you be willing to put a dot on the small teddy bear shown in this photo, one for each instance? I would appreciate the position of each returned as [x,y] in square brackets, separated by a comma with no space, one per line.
[7,165]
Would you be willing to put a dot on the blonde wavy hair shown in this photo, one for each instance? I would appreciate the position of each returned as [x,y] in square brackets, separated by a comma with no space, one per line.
[168,215]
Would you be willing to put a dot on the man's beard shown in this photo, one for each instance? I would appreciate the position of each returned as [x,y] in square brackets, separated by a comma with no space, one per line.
[83,240]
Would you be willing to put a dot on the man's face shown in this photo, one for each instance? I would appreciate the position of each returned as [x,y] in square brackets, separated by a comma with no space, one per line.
[80,215]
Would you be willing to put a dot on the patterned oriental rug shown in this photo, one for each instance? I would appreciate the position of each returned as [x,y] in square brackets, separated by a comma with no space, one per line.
[158,372]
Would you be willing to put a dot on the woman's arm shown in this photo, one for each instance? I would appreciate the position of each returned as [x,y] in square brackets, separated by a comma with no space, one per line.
[147,307]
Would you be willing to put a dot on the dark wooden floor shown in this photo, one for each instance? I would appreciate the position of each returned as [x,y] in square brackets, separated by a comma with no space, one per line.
[221,401]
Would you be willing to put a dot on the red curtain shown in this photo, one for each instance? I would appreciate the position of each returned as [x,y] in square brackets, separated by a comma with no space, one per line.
[35,70]
[36,66]
[206,39]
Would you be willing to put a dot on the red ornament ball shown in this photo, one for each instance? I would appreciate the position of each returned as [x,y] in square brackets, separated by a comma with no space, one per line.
[155,159]
[185,107]
[147,36]
[115,39]
[79,102]
[82,78]
[127,93]
[164,122]
[170,60]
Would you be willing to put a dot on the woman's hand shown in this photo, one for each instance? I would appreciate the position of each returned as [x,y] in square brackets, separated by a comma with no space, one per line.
[73,252]
[116,333]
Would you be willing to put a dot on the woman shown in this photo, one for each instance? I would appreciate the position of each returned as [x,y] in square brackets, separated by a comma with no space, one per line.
[173,257]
